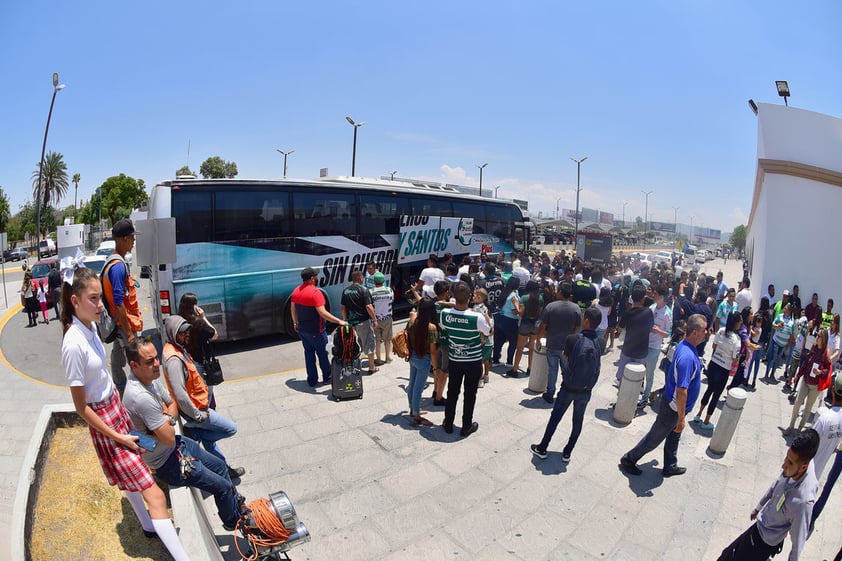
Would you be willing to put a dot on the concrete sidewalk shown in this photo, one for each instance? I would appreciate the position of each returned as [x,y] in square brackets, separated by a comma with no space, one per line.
[370,486]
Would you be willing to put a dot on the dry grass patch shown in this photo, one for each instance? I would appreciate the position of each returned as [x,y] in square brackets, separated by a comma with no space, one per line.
[79,515]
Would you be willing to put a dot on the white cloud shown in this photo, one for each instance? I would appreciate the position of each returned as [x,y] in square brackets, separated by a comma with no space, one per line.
[457,174]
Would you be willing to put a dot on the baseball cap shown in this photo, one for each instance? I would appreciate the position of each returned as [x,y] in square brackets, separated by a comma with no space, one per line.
[786,292]
[122,228]
[379,277]
[308,273]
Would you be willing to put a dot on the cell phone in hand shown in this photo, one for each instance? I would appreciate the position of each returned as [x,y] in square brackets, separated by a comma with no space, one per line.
[144,440]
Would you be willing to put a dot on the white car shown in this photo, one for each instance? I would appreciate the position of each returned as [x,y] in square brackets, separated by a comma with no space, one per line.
[107,248]
[701,256]
[662,257]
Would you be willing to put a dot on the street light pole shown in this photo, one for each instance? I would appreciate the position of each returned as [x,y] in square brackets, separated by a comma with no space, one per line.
[556,207]
[285,158]
[481,167]
[675,228]
[354,154]
[56,88]
[393,174]
[624,213]
[645,217]
[578,177]
[691,229]
[495,190]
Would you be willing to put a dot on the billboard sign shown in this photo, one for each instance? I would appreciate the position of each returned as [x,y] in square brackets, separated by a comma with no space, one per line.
[662,226]
[594,247]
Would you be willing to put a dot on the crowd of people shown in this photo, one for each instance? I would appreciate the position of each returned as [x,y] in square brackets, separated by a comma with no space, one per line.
[464,314]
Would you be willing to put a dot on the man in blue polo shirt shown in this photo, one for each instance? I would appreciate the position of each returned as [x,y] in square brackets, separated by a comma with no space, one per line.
[683,382]
[308,318]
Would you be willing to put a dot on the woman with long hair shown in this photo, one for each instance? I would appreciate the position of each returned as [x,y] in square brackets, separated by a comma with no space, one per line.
[30,300]
[530,307]
[202,332]
[99,405]
[782,329]
[814,370]
[423,351]
[506,324]
[726,352]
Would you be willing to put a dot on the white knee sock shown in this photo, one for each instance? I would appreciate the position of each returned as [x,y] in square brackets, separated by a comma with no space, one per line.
[166,532]
[136,500]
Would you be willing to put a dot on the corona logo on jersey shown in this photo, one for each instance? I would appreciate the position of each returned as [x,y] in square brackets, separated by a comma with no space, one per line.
[422,235]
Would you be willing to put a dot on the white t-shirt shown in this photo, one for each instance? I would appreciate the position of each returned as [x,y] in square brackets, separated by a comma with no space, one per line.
[829,427]
[83,359]
[663,320]
[832,343]
[743,299]
[727,348]
[430,275]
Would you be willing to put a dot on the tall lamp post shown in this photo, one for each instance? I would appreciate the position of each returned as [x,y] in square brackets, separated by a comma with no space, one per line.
[495,190]
[624,213]
[578,178]
[645,216]
[393,174]
[285,154]
[56,88]
[675,228]
[481,167]
[783,91]
[556,207]
[691,229]
[354,154]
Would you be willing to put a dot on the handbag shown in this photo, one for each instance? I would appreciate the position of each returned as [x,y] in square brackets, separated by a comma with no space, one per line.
[400,344]
[213,370]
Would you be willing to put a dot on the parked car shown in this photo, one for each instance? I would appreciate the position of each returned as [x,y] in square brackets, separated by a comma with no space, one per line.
[95,263]
[46,248]
[18,253]
[662,257]
[40,271]
[701,256]
[107,247]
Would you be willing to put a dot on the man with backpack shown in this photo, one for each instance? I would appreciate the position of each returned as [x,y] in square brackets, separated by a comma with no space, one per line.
[119,292]
[582,353]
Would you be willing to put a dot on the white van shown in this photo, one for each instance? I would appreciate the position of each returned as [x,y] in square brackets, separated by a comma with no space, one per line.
[46,248]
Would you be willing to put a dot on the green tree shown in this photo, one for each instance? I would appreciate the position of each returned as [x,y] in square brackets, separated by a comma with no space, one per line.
[55,180]
[738,237]
[23,222]
[185,170]
[5,213]
[90,211]
[120,194]
[215,168]
[76,179]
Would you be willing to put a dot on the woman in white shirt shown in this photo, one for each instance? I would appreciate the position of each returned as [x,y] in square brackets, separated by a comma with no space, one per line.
[726,352]
[99,405]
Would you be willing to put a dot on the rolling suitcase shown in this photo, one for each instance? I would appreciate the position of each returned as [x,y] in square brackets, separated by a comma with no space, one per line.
[346,379]
[345,369]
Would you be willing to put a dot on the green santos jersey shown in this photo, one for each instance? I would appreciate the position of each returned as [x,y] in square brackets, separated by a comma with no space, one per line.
[462,332]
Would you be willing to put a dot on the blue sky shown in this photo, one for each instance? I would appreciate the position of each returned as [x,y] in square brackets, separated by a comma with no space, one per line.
[654,93]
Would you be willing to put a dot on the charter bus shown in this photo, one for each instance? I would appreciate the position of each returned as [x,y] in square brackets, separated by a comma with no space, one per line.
[240,245]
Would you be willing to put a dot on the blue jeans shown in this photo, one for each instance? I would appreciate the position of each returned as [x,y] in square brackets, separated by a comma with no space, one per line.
[754,366]
[562,402]
[315,344]
[773,358]
[662,429]
[832,476]
[555,360]
[216,427]
[505,331]
[651,364]
[209,473]
[419,369]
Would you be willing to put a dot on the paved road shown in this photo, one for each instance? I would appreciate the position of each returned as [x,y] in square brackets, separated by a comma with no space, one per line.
[370,486]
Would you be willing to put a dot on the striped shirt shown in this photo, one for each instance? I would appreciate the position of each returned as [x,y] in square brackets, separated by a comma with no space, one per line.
[462,331]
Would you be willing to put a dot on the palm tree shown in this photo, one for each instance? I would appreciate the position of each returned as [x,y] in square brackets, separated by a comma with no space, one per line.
[76,179]
[55,181]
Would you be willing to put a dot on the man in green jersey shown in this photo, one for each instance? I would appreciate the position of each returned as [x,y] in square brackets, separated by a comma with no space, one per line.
[463,332]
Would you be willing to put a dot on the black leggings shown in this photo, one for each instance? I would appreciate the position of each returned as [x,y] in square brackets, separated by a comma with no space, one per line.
[717,378]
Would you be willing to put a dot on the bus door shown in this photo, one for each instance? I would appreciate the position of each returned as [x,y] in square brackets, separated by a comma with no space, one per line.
[522,237]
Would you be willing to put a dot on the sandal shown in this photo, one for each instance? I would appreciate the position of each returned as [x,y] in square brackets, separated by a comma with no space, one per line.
[370,371]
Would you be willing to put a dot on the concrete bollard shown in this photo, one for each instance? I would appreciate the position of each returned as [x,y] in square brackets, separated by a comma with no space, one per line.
[538,372]
[629,392]
[724,431]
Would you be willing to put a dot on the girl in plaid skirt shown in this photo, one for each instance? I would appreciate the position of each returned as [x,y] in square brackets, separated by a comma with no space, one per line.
[99,404]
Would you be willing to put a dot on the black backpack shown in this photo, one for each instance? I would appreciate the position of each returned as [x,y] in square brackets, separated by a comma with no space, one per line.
[582,369]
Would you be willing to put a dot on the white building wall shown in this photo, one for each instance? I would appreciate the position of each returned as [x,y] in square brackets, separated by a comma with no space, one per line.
[796,204]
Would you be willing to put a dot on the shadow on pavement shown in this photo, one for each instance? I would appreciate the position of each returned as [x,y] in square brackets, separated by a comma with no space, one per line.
[552,465]
[651,478]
